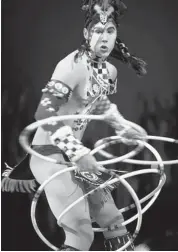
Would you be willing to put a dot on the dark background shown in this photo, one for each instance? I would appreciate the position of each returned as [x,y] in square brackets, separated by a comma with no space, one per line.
[36,34]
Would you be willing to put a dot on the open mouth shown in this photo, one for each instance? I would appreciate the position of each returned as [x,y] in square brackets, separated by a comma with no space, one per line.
[104,47]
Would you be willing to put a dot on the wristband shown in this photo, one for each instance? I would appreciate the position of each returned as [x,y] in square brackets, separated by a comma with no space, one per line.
[66,142]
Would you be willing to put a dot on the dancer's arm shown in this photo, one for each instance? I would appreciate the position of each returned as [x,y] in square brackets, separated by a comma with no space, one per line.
[57,92]
[114,118]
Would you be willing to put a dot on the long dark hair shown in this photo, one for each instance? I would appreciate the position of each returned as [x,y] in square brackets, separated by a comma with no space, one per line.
[122,53]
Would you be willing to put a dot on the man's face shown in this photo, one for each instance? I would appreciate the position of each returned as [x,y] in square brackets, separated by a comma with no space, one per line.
[102,39]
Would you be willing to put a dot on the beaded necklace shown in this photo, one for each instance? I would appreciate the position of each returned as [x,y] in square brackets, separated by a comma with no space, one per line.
[100,83]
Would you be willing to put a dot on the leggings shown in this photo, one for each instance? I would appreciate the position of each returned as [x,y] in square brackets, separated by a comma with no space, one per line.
[77,224]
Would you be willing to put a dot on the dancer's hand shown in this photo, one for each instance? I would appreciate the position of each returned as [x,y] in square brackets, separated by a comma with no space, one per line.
[87,163]
[131,135]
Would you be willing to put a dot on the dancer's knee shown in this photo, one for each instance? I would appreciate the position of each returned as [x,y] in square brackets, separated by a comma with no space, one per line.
[79,233]
[110,217]
[81,227]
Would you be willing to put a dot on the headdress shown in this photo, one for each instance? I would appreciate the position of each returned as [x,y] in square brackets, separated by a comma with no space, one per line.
[103,10]
[111,10]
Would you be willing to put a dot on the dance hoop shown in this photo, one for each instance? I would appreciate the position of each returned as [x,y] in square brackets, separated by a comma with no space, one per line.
[24,142]
[37,195]
[136,161]
[132,174]
[155,192]
[24,136]
[40,190]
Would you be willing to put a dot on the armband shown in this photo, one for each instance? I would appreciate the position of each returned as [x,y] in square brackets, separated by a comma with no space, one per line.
[58,89]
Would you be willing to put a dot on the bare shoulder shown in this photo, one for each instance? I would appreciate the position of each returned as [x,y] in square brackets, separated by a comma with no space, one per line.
[68,62]
[112,70]
[68,70]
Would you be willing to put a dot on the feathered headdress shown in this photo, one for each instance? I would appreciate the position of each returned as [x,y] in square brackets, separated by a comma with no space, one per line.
[103,10]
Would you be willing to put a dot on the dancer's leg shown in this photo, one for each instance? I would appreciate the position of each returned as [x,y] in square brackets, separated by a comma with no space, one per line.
[60,193]
[108,215]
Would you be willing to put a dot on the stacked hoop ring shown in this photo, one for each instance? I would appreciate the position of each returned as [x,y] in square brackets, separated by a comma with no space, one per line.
[99,146]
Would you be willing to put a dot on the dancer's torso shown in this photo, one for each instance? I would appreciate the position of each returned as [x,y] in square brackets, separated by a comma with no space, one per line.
[83,100]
